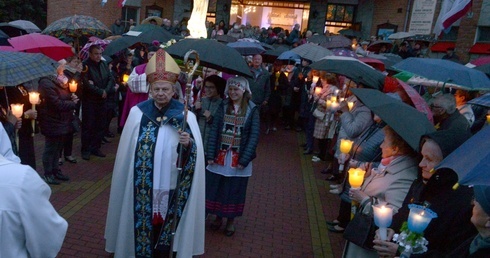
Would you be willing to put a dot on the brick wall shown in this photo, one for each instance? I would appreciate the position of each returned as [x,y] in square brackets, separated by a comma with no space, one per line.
[467,31]
[387,11]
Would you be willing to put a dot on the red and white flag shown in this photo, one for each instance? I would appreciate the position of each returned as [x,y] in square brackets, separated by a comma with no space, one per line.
[121,3]
[451,11]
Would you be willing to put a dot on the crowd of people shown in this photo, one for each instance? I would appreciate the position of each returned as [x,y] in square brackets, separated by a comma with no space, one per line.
[182,159]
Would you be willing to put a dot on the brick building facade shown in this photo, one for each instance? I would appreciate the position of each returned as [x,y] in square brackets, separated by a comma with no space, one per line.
[369,16]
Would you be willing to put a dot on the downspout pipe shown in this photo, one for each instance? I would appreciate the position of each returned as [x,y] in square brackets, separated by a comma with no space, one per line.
[405,25]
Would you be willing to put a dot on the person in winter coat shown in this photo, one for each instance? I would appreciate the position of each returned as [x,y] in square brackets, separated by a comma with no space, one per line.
[435,188]
[232,146]
[55,120]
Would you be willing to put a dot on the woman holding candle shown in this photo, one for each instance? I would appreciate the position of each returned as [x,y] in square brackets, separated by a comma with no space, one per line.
[325,88]
[232,146]
[435,188]
[387,184]
[55,120]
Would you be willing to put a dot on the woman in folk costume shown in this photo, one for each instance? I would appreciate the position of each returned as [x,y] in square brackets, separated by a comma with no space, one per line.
[142,204]
[232,146]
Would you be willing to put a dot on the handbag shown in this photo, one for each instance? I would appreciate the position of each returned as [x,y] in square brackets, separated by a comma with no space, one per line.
[361,230]
[319,114]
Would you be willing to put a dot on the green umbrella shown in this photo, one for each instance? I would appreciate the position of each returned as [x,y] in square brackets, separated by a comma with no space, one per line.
[353,69]
[212,54]
[405,120]
[18,67]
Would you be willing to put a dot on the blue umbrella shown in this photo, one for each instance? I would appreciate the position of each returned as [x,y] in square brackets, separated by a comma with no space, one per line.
[445,71]
[483,100]
[289,56]
[471,160]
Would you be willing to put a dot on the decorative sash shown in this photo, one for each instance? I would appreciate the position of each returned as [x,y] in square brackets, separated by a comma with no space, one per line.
[143,178]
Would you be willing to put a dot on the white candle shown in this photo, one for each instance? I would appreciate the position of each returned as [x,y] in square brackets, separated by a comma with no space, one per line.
[34,97]
[73,86]
[17,110]
[315,79]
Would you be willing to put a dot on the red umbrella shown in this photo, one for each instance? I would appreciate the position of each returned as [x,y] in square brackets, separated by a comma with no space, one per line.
[375,63]
[408,95]
[40,43]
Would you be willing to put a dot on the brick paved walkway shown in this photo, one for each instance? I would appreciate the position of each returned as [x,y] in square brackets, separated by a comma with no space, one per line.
[285,212]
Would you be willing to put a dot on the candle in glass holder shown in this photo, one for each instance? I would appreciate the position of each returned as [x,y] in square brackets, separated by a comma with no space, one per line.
[345,145]
[34,97]
[418,220]
[286,73]
[328,104]
[125,78]
[318,90]
[356,177]
[315,79]
[333,98]
[341,99]
[335,106]
[488,119]
[350,104]
[17,110]
[73,86]
[382,218]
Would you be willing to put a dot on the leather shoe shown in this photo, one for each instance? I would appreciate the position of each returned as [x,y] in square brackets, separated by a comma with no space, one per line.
[71,159]
[58,175]
[215,225]
[110,135]
[230,230]
[98,153]
[332,178]
[307,152]
[86,156]
[332,223]
[50,180]
[335,229]
[104,140]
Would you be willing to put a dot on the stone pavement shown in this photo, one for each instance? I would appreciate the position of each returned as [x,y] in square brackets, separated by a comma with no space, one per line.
[285,212]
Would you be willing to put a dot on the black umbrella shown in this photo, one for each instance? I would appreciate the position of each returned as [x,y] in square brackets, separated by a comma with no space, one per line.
[212,54]
[352,68]
[405,120]
[133,37]
[12,30]
[271,55]
[4,39]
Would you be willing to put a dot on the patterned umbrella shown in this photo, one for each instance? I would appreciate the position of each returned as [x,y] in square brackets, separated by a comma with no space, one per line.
[76,26]
[17,67]
[83,54]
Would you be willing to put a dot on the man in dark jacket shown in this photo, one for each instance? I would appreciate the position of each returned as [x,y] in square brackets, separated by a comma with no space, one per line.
[97,84]
[55,120]
[446,115]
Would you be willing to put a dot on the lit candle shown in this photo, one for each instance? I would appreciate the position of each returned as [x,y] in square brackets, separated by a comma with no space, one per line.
[345,145]
[382,218]
[336,92]
[73,86]
[17,110]
[333,98]
[419,219]
[356,177]
[286,73]
[315,79]
[318,90]
[335,106]
[350,104]
[34,97]
[488,119]
[125,78]
[341,99]
[328,103]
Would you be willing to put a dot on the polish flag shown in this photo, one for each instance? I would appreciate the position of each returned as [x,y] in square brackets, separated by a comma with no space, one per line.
[121,3]
[451,11]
